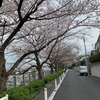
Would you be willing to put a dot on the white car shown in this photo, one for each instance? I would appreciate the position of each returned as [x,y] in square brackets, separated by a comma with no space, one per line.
[83,70]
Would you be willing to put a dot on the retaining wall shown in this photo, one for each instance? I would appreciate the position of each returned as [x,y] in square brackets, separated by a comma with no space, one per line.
[95,69]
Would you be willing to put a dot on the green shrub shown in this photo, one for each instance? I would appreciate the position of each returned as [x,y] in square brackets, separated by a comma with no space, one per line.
[94,58]
[35,85]
[18,93]
[24,93]
[2,95]
[51,77]
[60,72]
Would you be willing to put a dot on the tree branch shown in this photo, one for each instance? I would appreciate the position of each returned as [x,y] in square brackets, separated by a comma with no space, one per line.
[28,69]
[19,8]
[1,2]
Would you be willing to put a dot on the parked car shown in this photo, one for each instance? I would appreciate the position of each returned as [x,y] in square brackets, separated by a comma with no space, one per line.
[83,70]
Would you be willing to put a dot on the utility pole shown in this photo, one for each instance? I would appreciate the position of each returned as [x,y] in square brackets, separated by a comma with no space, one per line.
[86,54]
[78,57]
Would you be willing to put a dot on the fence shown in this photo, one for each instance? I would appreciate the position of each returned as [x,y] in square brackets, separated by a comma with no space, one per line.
[5,98]
[23,79]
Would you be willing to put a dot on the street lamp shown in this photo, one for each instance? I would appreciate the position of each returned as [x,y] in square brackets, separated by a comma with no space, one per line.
[86,54]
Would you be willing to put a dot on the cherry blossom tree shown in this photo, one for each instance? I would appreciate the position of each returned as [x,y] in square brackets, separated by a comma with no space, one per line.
[20,19]
[62,56]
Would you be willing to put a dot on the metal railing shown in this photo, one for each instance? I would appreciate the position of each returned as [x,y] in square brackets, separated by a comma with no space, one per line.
[23,79]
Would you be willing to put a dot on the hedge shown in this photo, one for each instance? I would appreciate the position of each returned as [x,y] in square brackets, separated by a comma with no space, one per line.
[2,95]
[94,58]
[51,77]
[28,91]
[18,93]
[35,86]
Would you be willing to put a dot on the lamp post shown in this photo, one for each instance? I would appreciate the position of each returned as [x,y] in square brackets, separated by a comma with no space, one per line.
[78,57]
[86,54]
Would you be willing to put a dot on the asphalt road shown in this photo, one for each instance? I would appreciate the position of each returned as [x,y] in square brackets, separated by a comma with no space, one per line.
[76,87]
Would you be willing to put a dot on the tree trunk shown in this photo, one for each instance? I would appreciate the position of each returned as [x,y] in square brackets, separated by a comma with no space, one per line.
[3,73]
[51,70]
[1,2]
[56,68]
[40,73]
[3,81]
[51,67]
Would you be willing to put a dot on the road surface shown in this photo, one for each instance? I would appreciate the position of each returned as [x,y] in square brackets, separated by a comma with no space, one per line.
[76,87]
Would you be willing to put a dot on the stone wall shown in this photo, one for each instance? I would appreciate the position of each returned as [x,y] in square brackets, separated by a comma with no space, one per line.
[95,69]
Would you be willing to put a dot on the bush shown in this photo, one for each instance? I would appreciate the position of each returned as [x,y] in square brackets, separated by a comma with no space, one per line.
[2,95]
[35,85]
[24,93]
[51,77]
[94,58]
[18,93]
[60,72]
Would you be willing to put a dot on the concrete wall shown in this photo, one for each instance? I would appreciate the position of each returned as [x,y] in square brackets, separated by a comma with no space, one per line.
[95,69]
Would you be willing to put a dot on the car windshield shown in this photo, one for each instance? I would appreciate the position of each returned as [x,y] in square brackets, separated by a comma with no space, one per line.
[83,68]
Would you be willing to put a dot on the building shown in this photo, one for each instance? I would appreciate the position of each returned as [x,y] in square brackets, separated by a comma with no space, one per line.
[93,52]
[97,44]
[97,47]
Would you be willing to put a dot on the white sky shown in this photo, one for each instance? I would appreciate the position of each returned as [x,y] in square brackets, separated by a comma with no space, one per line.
[90,41]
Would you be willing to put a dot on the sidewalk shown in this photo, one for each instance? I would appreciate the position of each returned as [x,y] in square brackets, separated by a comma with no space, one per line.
[50,87]
[51,91]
